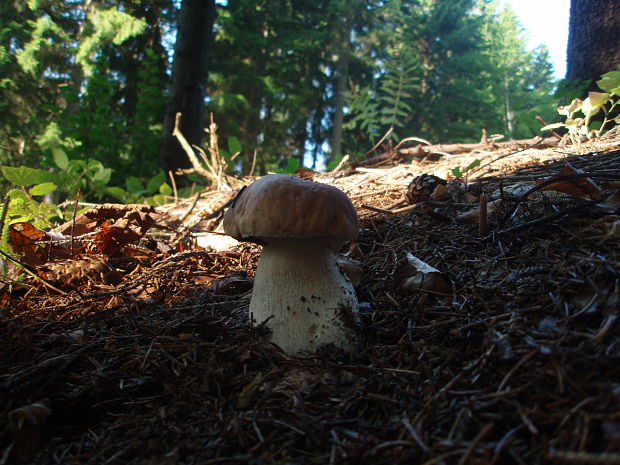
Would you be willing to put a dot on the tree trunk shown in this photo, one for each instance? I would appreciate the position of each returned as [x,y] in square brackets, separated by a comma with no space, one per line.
[593,39]
[343,46]
[189,76]
[509,115]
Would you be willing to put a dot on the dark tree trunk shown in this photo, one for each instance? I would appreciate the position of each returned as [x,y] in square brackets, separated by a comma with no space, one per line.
[189,77]
[593,39]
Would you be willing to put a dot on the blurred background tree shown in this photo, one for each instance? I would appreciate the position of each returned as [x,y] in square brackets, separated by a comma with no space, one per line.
[290,83]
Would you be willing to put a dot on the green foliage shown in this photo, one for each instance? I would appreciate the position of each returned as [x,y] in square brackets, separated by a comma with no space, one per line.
[83,84]
[389,105]
[397,85]
[459,172]
[579,113]
[292,165]
[45,31]
[80,83]
[23,208]
[461,66]
[110,26]
[363,111]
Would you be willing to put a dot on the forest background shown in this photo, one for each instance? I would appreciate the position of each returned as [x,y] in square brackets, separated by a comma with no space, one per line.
[85,86]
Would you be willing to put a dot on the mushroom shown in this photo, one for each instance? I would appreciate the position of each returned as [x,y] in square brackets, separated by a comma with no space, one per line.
[300,293]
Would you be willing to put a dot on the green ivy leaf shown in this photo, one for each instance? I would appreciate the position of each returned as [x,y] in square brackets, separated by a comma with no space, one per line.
[43,188]
[24,176]
[456,171]
[568,110]
[609,81]
[593,104]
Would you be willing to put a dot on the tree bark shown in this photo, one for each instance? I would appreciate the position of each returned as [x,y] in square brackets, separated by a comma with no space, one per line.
[593,39]
[343,47]
[189,77]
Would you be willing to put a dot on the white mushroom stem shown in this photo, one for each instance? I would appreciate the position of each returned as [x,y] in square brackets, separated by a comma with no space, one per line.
[305,298]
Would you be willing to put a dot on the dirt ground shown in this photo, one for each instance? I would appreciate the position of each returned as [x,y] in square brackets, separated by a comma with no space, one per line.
[134,346]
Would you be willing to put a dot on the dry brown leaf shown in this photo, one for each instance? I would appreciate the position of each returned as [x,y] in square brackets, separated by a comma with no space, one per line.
[578,186]
[35,245]
[415,275]
[24,424]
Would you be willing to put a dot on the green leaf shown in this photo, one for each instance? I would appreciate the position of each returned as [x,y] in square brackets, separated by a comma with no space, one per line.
[60,158]
[43,188]
[156,200]
[134,185]
[456,171]
[609,81]
[472,165]
[568,110]
[552,126]
[292,165]
[17,195]
[153,185]
[103,177]
[595,125]
[594,103]
[24,176]
[118,193]
[234,145]
[165,189]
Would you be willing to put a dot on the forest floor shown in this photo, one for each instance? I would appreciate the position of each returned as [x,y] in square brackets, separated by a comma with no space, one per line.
[123,351]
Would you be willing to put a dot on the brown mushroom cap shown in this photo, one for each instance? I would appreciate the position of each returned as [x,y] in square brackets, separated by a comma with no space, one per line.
[283,206]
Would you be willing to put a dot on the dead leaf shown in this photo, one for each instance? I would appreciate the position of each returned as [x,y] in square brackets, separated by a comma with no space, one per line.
[579,186]
[110,239]
[215,242]
[35,245]
[415,275]
[24,424]
[352,268]
[27,241]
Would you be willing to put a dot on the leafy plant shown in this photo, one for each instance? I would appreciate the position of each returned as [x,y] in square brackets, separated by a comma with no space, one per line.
[579,113]
[388,106]
[460,172]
